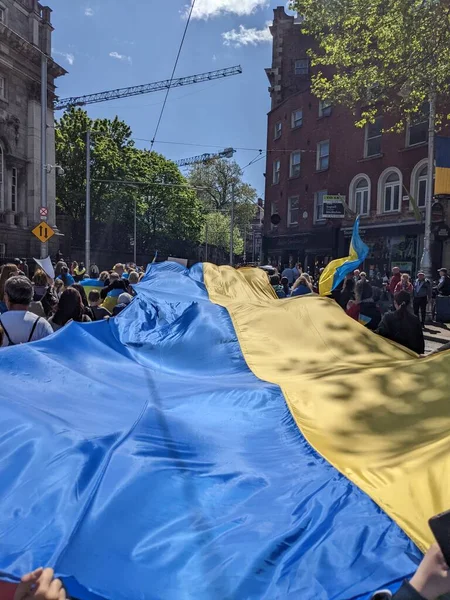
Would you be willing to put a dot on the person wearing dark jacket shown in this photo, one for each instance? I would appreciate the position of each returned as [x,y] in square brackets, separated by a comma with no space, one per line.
[443,288]
[401,326]
[348,291]
[421,295]
[430,581]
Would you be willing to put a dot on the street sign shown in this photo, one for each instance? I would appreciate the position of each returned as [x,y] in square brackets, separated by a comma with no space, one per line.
[43,211]
[43,232]
[333,207]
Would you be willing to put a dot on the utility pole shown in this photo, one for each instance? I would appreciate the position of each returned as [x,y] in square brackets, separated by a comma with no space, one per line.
[426,264]
[232,227]
[44,246]
[135,230]
[87,259]
[206,240]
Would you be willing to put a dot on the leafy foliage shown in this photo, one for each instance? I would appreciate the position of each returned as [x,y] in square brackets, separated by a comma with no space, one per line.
[394,52]
[169,216]
[216,232]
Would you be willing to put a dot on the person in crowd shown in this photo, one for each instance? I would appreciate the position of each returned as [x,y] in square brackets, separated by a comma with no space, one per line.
[401,326]
[111,293]
[122,302]
[430,581]
[421,296]
[45,298]
[99,312]
[395,279]
[70,308]
[58,267]
[7,271]
[66,277]
[119,269]
[277,287]
[363,289]
[285,284]
[39,284]
[24,267]
[73,266]
[18,323]
[104,277]
[94,271]
[347,292]
[18,264]
[404,284]
[289,273]
[59,287]
[356,274]
[443,288]
[79,272]
[133,278]
[363,307]
[302,287]
[297,270]
[58,256]
[87,311]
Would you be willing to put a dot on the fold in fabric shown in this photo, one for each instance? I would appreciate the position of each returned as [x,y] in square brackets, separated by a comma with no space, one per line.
[368,406]
[142,459]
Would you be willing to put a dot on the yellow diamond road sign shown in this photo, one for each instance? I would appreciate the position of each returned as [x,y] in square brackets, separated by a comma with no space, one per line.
[43,232]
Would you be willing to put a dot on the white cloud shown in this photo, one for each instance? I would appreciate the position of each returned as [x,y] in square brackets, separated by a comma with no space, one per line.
[121,57]
[247,37]
[212,8]
[89,12]
[68,56]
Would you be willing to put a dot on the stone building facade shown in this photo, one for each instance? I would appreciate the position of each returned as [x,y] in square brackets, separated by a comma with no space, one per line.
[25,32]
[315,149]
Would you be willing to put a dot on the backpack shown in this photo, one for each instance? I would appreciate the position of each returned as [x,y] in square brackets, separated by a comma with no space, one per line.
[11,343]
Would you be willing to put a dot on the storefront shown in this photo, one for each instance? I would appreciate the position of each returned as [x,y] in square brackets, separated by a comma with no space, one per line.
[312,250]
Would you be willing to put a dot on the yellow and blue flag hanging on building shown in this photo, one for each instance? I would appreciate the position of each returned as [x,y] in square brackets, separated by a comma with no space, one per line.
[336,271]
[193,450]
[442,156]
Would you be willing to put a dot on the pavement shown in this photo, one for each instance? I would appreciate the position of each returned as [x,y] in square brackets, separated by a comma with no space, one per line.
[435,336]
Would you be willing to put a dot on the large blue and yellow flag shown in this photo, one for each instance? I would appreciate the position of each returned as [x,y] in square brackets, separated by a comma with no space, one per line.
[336,271]
[442,156]
[189,449]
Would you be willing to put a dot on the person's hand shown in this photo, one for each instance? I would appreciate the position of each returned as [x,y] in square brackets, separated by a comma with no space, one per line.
[40,585]
[432,578]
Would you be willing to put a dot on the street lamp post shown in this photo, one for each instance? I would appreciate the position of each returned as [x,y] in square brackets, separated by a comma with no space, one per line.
[44,246]
[87,258]
[425,263]
[135,231]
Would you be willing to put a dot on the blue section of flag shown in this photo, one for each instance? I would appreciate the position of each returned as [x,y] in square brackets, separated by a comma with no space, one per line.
[141,458]
[442,152]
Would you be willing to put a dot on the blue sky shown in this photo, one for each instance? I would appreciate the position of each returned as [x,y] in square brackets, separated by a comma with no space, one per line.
[105,44]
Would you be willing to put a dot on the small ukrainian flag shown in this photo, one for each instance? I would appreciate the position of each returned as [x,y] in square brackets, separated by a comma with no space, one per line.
[442,181]
[336,270]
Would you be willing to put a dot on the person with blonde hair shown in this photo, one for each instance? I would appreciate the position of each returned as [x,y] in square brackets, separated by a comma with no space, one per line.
[133,277]
[404,285]
[302,286]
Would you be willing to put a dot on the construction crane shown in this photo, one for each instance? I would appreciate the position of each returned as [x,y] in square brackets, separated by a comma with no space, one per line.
[204,158]
[147,88]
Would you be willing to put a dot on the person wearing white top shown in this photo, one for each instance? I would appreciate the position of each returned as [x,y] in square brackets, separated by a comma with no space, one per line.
[18,323]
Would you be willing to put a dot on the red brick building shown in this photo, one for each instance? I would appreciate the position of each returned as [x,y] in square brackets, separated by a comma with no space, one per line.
[315,149]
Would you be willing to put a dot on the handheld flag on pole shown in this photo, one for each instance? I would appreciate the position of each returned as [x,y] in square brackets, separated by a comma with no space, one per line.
[155,257]
[442,181]
[336,270]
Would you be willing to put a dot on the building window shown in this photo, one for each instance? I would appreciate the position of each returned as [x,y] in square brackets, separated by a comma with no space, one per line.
[324,108]
[318,205]
[294,167]
[14,189]
[273,211]
[2,87]
[277,130]
[296,119]
[302,66]
[276,171]
[293,210]
[323,155]
[373,137]
[391,193]
[418,127]
[362,197]
[2,14]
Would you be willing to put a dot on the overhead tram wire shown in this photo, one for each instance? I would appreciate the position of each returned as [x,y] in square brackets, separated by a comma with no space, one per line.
[173,74]
[276,150]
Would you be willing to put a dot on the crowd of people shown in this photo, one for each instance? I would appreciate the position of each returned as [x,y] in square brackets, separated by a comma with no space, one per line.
[394,307]
[32,306]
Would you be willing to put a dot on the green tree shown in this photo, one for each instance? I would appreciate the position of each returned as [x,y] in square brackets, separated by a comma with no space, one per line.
[218,178]
[369,53]
[169,216]
[216,232]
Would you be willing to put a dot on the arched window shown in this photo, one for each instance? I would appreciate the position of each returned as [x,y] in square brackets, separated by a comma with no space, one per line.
[419,183]
[359,194]
[390,191]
